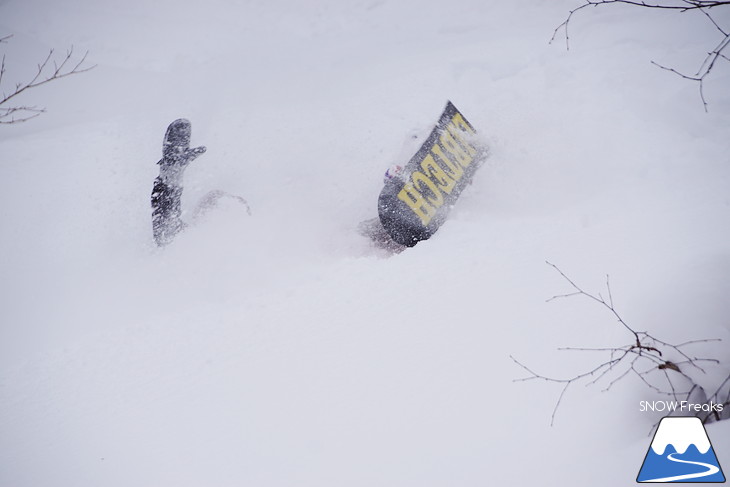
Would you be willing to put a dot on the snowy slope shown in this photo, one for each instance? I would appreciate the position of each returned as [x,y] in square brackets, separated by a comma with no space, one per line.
[282,348]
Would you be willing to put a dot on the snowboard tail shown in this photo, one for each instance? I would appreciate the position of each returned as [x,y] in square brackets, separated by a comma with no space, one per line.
[413,207]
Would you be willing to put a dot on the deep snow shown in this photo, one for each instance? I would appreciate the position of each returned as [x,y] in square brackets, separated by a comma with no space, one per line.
[283,348]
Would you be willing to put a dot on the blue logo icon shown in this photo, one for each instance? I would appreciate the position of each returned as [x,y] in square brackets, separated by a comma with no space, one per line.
[681,452]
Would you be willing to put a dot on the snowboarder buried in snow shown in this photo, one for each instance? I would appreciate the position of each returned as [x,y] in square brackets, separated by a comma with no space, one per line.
[167,189]
[414,202]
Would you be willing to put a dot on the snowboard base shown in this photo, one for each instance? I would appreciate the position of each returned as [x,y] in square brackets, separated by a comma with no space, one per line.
[416,199]
[375,231]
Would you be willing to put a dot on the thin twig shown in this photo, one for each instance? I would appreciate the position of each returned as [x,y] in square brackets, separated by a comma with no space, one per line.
[644,356]
[45,73]
[700,5]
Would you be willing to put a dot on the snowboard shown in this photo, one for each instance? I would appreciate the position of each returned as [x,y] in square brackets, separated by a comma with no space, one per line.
[213,199]
[414,203]
[167,188]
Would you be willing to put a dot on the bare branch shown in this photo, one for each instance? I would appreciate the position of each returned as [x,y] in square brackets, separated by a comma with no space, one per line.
[579,291]
[644,357]
[2,71]
[567,383]
[699,5]
[690,5]
[19,114]
[46,71]
[721,397]
[711,19]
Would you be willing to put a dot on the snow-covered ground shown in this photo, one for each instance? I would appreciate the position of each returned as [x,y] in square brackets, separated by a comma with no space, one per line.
[283,349]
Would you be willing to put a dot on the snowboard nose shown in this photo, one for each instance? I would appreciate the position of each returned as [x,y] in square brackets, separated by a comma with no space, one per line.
[177,137]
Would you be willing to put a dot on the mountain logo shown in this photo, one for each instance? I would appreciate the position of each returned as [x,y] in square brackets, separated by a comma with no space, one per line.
[681,452]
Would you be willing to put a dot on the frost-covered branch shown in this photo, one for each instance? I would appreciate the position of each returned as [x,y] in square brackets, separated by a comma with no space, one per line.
[705,7]
[47,71]
[659,365]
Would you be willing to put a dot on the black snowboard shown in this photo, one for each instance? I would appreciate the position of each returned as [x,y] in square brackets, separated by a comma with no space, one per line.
[413,206]
[167,188]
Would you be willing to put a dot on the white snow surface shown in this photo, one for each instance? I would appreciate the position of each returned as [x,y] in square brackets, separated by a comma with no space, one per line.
[282,348]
